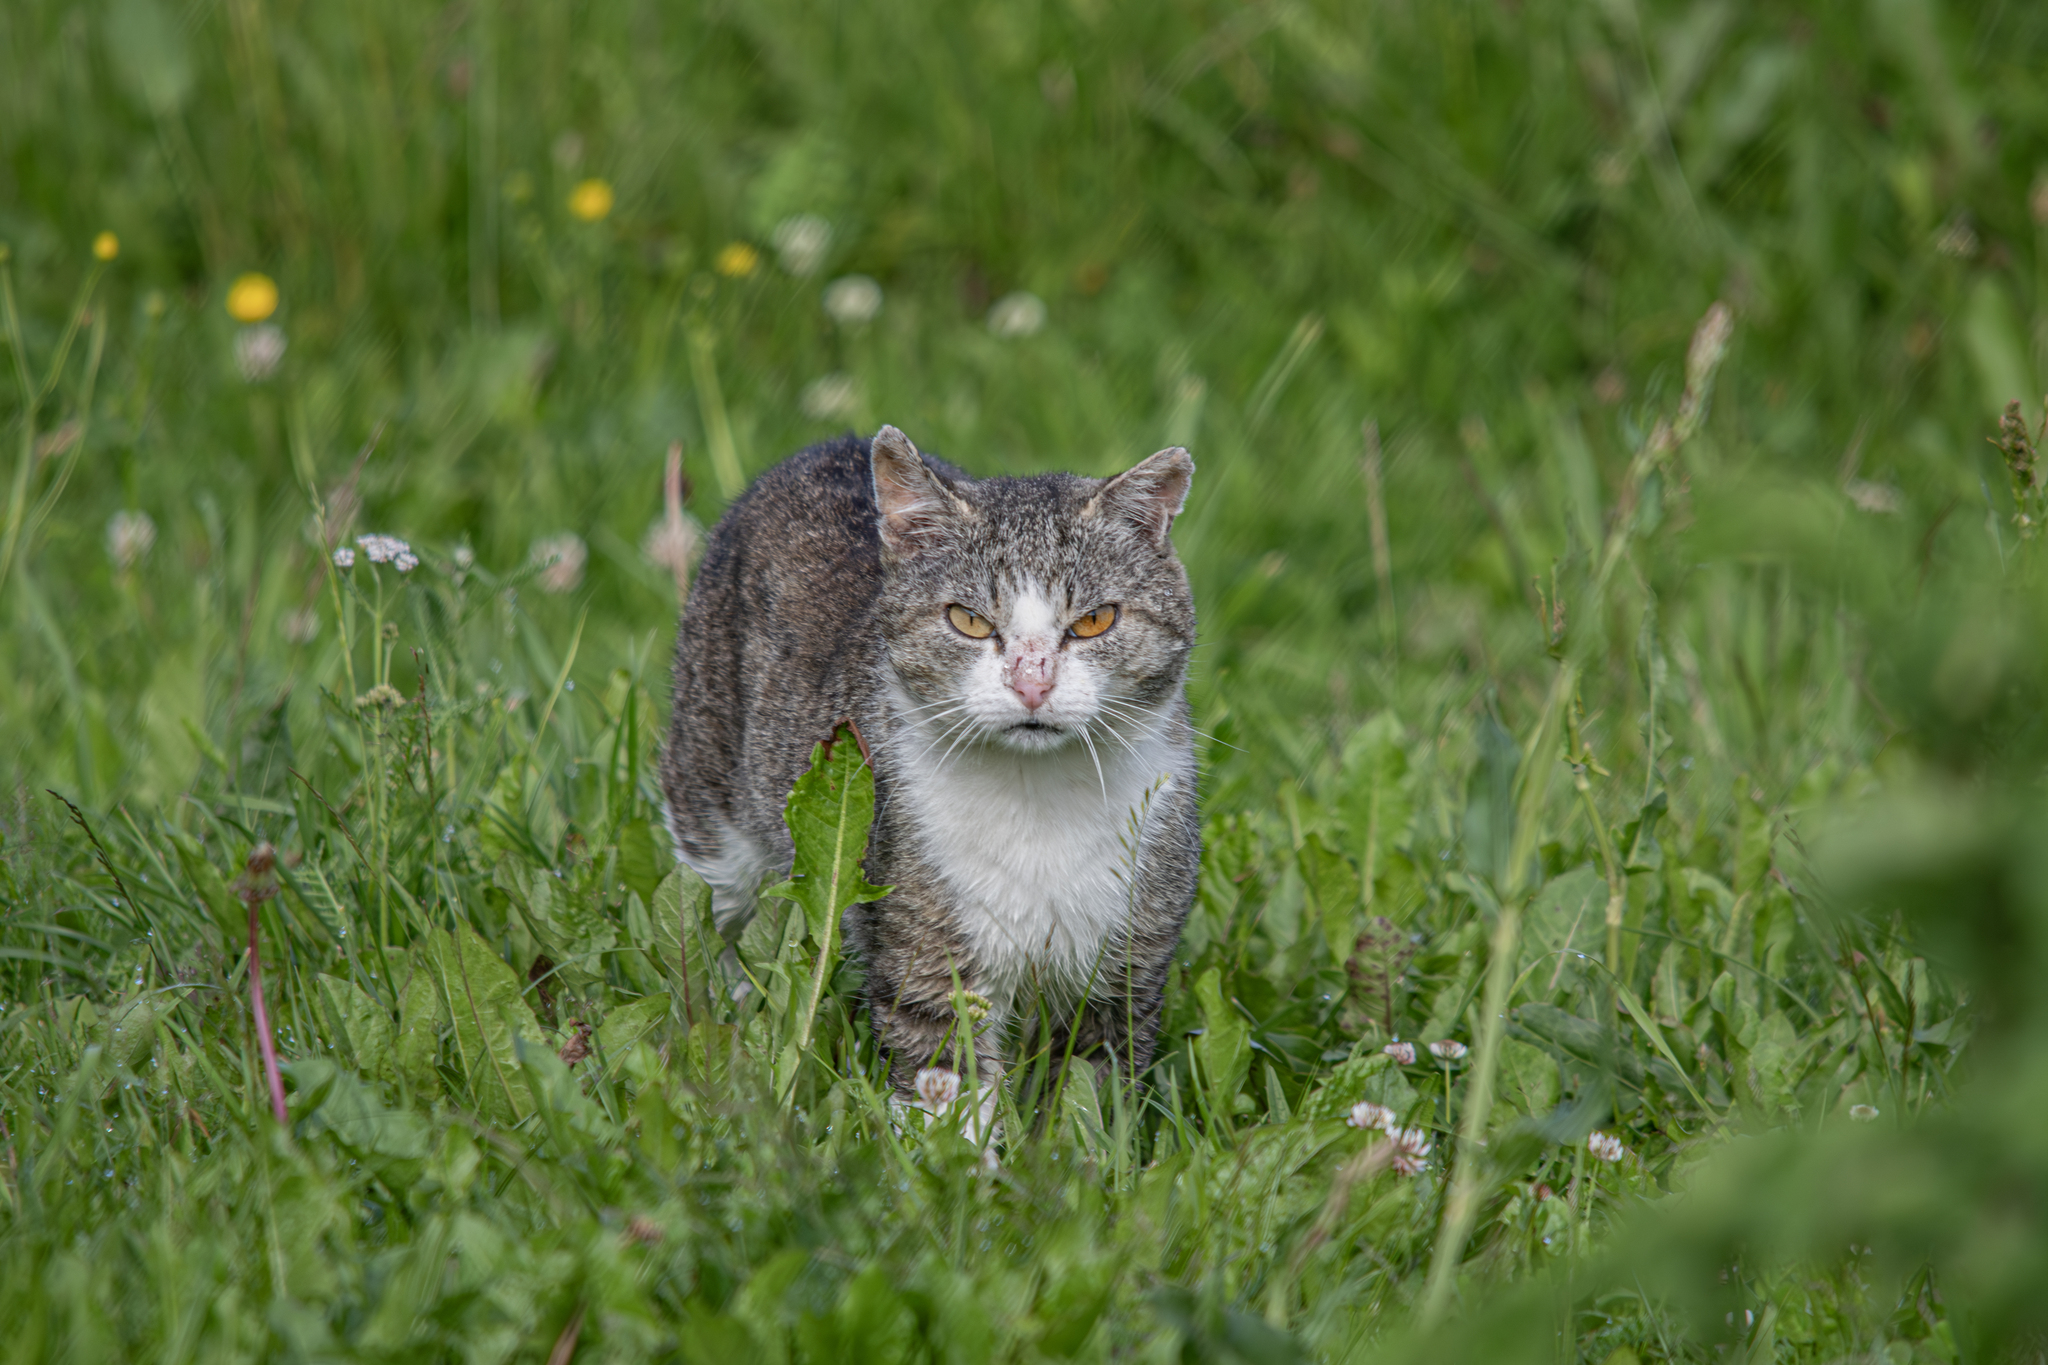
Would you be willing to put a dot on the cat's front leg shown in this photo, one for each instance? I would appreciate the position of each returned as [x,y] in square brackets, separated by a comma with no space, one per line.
[1117,1028]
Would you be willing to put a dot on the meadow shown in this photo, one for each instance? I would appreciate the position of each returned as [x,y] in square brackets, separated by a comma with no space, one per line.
[1624,658]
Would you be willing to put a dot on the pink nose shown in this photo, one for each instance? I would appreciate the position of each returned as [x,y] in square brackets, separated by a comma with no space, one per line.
[1032,677]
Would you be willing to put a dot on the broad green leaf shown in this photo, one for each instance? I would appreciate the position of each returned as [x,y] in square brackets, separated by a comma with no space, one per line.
[626,1026]
[1376,804]
[828,814]
[1333,888]
[488,1010]
[640,858]
[1568,916]
[1224,1050]
[417,1047]
[360,1025]
[683,933]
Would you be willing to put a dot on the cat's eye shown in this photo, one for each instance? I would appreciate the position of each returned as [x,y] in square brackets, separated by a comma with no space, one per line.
[971,624]
[1094,623]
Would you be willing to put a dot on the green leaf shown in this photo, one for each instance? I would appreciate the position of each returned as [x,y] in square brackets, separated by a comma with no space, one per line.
[488,1010]
[1376,804]
[1333,888]
[417,1048]
[683,933]
[624,1027]
[360,1026]
[640,860]
[828,815]
[1224,1049]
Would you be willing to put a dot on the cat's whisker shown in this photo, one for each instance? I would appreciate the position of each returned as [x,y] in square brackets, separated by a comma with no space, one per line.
[942,701]
[944,735]
[1083,733]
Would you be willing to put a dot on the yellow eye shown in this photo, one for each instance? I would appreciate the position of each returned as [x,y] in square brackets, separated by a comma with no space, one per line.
[973,626]
[1094,623]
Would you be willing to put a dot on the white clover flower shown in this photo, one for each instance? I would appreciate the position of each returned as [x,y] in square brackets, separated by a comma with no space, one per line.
[1448,1049]
[801,242]
[1863,1113]
[1017,315]
[853,299]
[129,536]
[1605,1146]
[344,558]
[1404,1053]
[383,549]
[259,350]
[1411,1145]
[938,1087]
[562,558]
[831,398]
[1366,1114]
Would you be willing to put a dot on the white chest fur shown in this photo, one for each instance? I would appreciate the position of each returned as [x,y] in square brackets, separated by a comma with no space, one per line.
[1038,850]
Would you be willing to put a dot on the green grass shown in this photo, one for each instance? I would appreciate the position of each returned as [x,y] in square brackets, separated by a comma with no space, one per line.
[1693,783]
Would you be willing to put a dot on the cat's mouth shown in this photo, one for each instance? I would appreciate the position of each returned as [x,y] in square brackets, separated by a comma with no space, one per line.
[1036,725]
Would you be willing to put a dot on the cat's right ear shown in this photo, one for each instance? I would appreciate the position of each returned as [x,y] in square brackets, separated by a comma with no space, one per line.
[915,505]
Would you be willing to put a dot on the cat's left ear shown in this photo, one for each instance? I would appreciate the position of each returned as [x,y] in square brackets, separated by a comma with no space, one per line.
[1148,495]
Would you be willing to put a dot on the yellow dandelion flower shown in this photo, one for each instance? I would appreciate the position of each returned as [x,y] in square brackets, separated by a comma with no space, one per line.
[106,246]
[591,200]
[737,260]
[252,298]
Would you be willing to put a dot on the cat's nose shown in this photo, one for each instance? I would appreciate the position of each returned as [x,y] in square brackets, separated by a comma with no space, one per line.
[1032,675]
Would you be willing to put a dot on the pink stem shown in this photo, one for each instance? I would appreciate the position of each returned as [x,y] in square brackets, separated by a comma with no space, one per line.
[263,1038]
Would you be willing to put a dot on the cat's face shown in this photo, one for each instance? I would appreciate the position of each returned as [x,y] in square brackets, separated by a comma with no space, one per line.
[1032,614]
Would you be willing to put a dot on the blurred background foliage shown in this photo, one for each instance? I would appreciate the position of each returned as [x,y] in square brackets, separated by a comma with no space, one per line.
[1794,664]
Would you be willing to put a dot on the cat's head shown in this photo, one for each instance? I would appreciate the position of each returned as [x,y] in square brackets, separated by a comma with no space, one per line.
[1027,613]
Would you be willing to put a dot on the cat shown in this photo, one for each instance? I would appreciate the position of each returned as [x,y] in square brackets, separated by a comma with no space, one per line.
[1013,653]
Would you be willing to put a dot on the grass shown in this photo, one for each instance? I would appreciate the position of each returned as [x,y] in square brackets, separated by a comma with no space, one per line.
[1676,749]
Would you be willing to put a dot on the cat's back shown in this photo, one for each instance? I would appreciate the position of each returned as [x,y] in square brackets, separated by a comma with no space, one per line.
[770,640]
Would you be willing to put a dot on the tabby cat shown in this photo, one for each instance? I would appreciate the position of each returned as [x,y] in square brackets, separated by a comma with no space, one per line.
[1013,652]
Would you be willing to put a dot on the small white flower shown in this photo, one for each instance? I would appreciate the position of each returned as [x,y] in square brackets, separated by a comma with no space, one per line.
[853,299]
[801,242]
[344,558]
[829,399]
[129,536]
[1881,498]
[1863,1113]
[562,558]
[1605,1146]
[1404,1053]
[259,350]
[1447,1049]
[938,1087]
[405,561]
[1017,315]
[383,549]
[465,558]
[1411,1145]
[299,627]
[1366,1114]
